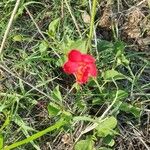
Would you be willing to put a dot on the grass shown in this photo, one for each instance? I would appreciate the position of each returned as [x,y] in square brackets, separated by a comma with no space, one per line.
[41,107]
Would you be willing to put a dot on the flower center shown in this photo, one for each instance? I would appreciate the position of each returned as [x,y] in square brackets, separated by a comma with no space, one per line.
[80,72]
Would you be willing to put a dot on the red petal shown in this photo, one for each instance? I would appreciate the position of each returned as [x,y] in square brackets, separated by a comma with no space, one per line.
[75,56]
[70,67]
[92,70]
[88,58]
[85,76]
[82,77]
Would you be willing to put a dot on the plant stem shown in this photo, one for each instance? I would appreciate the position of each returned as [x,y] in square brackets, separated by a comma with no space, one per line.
[57,125]
[92,24]
[9,25]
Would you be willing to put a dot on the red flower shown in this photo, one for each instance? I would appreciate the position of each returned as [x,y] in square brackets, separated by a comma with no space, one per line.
[81,65]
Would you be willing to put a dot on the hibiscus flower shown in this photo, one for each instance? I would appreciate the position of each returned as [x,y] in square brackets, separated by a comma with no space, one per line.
[82,66]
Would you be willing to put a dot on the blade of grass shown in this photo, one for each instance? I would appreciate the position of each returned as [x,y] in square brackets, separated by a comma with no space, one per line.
[57,125]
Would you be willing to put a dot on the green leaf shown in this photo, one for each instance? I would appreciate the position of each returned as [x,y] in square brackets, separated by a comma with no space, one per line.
[1,141]
[121,94]
[119,47]
[83,118]
[122,60]
[106,127]
[97,101]
[109,74]
[7,121]
[108,140]
[17,38]
[104,45]
[79,45]
[57,125]
[53,109]
[130,108]
[67,116]
[19,121]
[25,128]
[56,95]
[53,27]
[85,145]
[43,47]
[60,62]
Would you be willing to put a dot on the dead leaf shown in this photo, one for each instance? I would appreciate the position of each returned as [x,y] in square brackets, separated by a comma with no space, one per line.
[66,139]
[105,20]
[132,25]
[86,17]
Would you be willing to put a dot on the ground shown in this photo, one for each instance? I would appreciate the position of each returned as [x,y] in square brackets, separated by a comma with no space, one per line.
[111,111]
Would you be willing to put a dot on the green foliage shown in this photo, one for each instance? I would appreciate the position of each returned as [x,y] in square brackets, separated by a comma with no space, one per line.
[53,27]
[136,111]
[34,53]
[105,45]
[77,44]
[53,109]
[43,47]
[1,141]
[108,140]
[87,144]
[106,127]
[17,38]
[119,51]
[112,74]
[56,95]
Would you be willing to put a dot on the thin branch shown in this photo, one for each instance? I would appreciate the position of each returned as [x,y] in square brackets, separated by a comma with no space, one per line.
[73,18]
[9,25]
[30,15]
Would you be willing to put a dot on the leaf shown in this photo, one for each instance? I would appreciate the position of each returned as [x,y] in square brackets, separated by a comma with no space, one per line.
[121,94]
[85,145]
[86,17]
[1,141]
[97,101]
[122,60]
[60,62]
[119,47]
[19,121]
[104,45]
[37,135]
[79,45]
[56,95]
[106,127]
[53,109]
[108,140]
[67,116]
[43,47]
[83,118]
[52,27]
[130,108]
[6,123]
[17,38]
[109,74]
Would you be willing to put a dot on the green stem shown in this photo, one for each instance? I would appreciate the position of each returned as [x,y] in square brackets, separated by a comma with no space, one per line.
[36,135]
[92,24]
